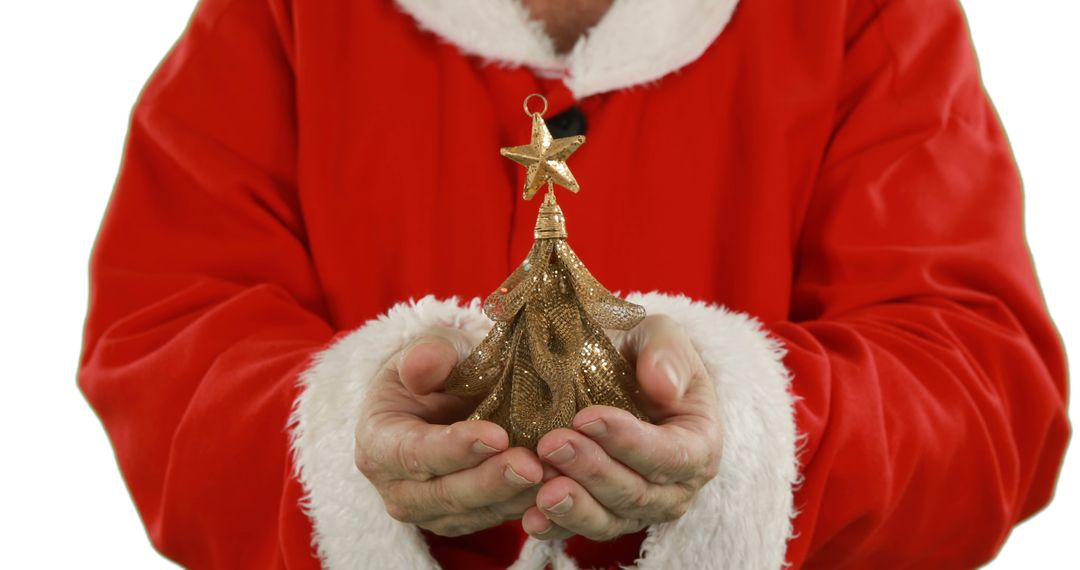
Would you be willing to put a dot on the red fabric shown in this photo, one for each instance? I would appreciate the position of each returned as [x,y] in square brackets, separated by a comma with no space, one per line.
[834,169]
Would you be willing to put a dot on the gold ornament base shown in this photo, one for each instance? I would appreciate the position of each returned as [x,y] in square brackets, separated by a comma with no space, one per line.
[547,356]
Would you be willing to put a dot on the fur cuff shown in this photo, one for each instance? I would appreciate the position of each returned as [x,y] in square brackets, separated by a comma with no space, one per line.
[741,519]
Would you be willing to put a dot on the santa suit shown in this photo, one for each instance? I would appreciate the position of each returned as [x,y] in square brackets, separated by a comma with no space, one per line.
[820,190]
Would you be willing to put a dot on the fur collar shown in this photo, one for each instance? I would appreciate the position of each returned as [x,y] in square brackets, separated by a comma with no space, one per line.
[637,41]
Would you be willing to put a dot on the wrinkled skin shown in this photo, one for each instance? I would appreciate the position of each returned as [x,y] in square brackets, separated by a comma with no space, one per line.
[610,475]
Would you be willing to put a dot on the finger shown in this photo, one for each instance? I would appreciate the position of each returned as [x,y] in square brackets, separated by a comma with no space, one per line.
[496,480]
[479,519]
[682,450]
[668,368]
[550,473]
[615,486]
[461,524]
[539,526]
[567,504]
[401,446]
[388,395]
[515,507]
[427,361]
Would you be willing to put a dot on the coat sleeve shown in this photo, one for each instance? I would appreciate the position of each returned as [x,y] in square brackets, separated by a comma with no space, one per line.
[931,383]
[204,304]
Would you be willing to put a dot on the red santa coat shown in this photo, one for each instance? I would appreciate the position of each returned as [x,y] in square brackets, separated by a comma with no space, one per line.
[827,181]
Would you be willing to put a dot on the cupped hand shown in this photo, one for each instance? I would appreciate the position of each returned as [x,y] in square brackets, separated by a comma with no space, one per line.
[619,474]
[450,477]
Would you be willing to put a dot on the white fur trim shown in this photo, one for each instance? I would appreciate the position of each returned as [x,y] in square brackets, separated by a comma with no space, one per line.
[740,520]
[351,527]
[636,41]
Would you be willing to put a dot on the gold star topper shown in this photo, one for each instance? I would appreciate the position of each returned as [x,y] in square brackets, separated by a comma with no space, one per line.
[544,157]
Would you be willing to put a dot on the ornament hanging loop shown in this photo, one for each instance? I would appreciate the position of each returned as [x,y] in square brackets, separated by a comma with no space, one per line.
[543,99]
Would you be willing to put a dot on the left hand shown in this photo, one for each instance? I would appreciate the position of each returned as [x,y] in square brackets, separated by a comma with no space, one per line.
[619,474]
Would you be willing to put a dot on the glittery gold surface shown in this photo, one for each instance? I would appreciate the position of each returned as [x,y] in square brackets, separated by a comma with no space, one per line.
[547,355]
[545,158]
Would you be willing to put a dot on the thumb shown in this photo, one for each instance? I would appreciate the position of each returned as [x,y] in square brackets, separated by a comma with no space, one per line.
[426,362]
[666,364]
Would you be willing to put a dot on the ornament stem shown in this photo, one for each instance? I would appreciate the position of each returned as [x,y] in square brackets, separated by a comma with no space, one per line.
[550,223]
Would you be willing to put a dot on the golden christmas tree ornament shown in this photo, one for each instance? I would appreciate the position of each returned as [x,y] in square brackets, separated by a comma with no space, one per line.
[547,355]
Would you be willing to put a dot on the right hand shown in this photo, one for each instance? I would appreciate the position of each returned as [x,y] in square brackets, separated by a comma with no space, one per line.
[450,479]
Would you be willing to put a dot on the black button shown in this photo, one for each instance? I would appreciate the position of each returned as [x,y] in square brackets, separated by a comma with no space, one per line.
[569,123]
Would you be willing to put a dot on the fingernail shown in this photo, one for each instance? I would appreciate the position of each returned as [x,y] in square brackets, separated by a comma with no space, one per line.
[546,529]
[563,506]
[482,448]
[562,454]
[515,479]
[595,428]
[672,374]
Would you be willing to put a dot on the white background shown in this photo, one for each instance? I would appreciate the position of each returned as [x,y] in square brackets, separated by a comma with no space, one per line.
[69,73]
